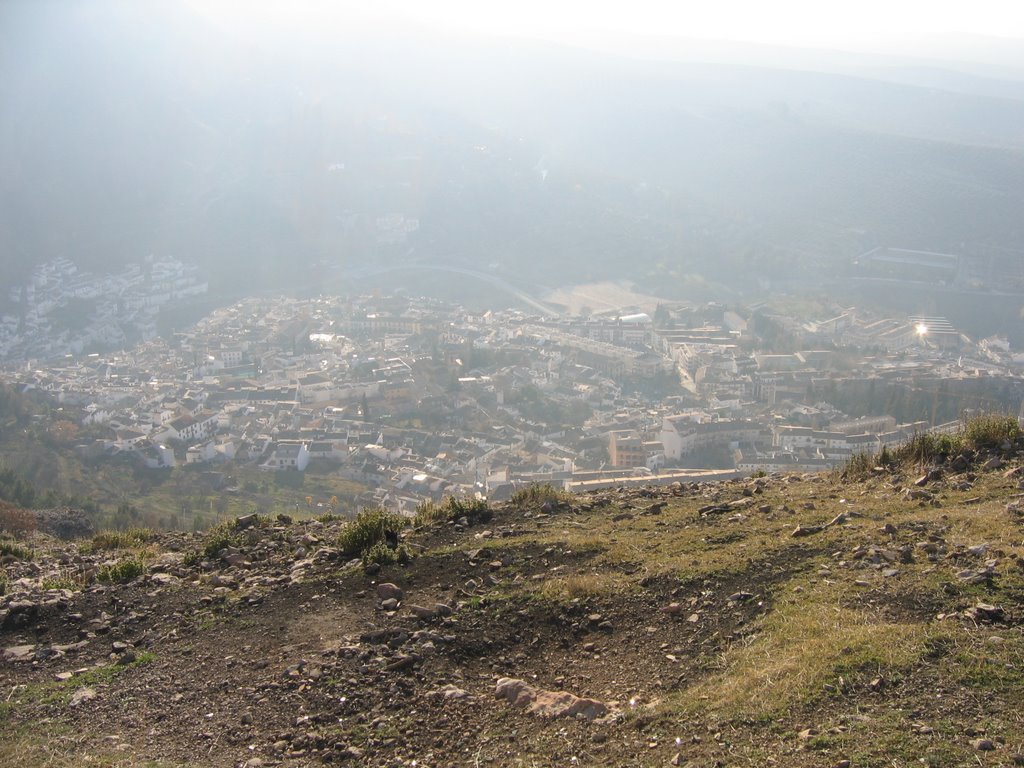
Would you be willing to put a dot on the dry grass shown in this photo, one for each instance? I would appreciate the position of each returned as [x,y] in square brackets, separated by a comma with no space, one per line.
[58,747]
[579,586]
[802,646]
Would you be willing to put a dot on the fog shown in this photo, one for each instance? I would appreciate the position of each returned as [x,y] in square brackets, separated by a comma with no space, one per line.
[284,146]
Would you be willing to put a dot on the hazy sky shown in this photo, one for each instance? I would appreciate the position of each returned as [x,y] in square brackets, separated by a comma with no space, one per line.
[843,23]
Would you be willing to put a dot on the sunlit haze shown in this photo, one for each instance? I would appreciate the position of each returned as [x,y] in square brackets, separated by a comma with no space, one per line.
[790,22]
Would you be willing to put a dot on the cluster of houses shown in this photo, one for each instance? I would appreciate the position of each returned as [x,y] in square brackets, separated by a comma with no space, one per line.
[416,399]
[62,310]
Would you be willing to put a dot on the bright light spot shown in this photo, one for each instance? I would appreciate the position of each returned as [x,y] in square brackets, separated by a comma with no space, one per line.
[921,329]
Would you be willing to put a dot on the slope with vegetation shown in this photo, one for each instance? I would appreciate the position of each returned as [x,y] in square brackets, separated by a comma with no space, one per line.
[870,617]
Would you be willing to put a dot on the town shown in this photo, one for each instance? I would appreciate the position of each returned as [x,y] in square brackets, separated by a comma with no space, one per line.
[409,399]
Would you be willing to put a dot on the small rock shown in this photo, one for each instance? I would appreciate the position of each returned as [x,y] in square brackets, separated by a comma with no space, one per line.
[389,591]
[983,745]
[81,696]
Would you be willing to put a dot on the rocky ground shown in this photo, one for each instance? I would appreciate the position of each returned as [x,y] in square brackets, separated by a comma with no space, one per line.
[790,620]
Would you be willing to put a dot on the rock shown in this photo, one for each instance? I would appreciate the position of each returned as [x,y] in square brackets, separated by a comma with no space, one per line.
[81,696]
[983,745]
[402,662]
[985,613]
[672,609]
[246,521]
[389,591]
[390,604]
[420,612]
[548,704]
[916,494]
[449,693]
[807,733]
[994,463]
[20,613]
[19,653]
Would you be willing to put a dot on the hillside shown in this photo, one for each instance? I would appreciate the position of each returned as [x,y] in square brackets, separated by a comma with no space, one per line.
[793,620]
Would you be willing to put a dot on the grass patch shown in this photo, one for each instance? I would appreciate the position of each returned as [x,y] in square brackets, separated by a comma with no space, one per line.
[988,431]
[984,432]
[578,586]
[803,645]
[371,528]
[452,509]
[539,494]
[133,538]
[122,571]
[17,551]
[70,581]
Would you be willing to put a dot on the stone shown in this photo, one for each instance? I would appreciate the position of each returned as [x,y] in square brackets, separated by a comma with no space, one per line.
[81,696]
[994,463]
[449,693]
[548,704]
[390,604]
[19,653]
[389,591]
[985,613]
[421,612]
[983,745]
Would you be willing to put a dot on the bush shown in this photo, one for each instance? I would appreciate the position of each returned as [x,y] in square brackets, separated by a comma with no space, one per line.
[371,526]
[130,539]
[120,572]
[538,495]
[988,431]
[3,583]
[66,581]
[381,554]
[859,465]
[17,551]
[15,520]
[451,509]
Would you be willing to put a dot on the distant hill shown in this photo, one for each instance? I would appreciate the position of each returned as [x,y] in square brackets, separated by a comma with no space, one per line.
[131,129]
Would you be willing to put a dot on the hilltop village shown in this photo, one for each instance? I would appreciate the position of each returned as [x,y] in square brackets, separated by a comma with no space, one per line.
[415,399]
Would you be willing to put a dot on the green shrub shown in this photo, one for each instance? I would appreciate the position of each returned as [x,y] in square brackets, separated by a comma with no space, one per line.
[10,549]
[3,583]
[537,495]
[451,509]
[121,571]
[381,554]
[371,526]
[988,431]
[130,539]
[859,466]
[66,581]
[220,537]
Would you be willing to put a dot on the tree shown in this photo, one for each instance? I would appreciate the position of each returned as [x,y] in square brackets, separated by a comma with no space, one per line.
[364,408]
